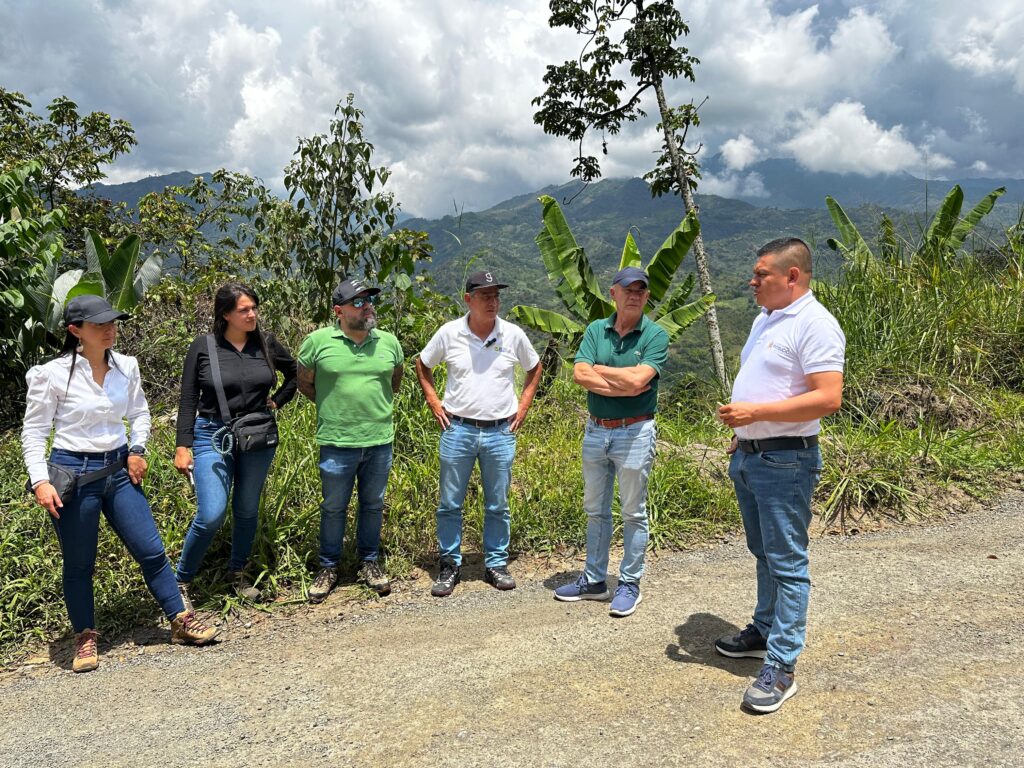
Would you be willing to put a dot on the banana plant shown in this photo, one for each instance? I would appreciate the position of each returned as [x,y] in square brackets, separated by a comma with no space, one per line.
[569,270]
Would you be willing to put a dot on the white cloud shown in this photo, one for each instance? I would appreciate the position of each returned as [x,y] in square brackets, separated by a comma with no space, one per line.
[846,140]
[740,152]
[750,185]
[980,166]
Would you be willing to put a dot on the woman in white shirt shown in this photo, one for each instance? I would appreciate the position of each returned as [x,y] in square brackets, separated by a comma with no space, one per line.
[84,395]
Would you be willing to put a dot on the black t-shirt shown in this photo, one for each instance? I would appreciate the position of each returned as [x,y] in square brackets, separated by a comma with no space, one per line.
[246,377]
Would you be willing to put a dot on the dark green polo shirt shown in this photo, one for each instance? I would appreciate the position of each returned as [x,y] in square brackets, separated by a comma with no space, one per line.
[354,402]
[647,344]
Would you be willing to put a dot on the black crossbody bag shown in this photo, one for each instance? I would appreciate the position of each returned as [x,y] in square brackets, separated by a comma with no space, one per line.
[66,482]
[251,431]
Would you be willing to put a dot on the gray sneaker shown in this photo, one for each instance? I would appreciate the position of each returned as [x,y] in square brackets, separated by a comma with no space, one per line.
[372,576]
[183,591]
[770,690]
[322,585]
[243,586]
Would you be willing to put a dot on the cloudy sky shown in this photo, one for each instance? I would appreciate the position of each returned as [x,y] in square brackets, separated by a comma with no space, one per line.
[926,86]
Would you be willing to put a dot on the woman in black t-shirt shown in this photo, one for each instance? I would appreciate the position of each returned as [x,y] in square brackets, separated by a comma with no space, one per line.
[248,361]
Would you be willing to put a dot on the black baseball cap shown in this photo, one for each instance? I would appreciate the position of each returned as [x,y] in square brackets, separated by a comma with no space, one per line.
[89,308]
[349,288]
[482,280]
[629,275]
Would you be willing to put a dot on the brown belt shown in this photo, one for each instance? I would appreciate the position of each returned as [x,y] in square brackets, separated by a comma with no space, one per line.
[616,423]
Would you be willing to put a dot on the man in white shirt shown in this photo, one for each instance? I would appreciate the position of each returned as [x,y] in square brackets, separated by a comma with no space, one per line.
[791,374]
[479,416]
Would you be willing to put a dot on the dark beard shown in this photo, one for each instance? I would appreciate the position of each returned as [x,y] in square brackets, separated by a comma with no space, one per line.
[364,324]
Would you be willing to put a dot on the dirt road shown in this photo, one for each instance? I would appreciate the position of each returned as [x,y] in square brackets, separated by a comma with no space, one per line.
[913,658]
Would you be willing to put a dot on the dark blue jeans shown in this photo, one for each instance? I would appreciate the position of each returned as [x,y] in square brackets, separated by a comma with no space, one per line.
[240,475]
[774,493]
[340,470]
[127,511]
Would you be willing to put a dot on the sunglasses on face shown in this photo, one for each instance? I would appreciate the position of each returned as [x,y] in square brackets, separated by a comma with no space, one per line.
[361,301]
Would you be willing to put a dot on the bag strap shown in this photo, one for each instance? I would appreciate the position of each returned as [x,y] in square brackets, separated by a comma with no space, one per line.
[99,474]
[218,383]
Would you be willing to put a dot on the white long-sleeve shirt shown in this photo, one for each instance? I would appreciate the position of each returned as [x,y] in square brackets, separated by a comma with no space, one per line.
[84,416]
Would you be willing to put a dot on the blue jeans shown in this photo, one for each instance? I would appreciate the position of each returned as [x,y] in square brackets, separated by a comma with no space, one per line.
[494,448]
[774,494]
[340,470]
[626,453]
[128,513]
[215,475]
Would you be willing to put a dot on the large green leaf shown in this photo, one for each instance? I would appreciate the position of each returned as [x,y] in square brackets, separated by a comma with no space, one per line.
[120,274]
[945,219]
[96,256]
[678,321]
[967,224]
[676,299]
[630,253]
[58,297]
[149,275]
[662,269]
[852,242]
[546,321]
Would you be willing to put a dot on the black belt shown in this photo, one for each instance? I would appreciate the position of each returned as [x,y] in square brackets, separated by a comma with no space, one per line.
[777,444]
[478,422]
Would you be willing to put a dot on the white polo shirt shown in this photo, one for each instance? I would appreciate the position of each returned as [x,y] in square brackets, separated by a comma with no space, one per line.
[481,372]
[783,347]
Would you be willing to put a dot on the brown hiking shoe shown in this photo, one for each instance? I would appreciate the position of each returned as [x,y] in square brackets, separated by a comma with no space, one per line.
[87,657]
[244,587]
[183,591]
[187,629]
[322,584]
[371,575]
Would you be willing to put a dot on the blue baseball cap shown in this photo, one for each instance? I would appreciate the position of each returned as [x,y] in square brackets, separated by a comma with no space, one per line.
[629,275]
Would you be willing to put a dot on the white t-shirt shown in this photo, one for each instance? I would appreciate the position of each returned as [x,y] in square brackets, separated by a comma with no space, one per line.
[481,372]
[783,347]
[83,415]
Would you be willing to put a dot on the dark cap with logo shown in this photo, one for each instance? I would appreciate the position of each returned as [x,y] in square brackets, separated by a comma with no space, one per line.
[629,275]
[89,308]
[482,280]
[349,288]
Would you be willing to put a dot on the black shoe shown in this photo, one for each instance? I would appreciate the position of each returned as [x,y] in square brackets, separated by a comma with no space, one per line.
[446,579]
[499,578]
[748,644]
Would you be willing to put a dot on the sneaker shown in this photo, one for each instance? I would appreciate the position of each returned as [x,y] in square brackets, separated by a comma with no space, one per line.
[187,629]
[87,657]
[627,598]
[581,589]
[372,576]
[748,644]
[499,578]
[183,591]
[243,586]
[322,585]
[770,690]
[447,578]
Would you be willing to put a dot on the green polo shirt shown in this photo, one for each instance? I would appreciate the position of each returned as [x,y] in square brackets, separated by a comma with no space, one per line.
[354,401]
[647,344]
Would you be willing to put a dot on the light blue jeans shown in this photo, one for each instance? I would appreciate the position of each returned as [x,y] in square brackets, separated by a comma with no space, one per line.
[340,470]
[240,476]
[494,448]
[774,494]
[628,454]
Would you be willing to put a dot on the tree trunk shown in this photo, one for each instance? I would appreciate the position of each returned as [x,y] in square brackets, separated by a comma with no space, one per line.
[699,255]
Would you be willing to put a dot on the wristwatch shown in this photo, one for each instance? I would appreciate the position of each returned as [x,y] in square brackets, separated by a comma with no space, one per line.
[137,450]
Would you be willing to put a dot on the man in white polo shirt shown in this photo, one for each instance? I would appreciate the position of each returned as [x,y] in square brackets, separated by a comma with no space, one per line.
[791,374]
[479,416]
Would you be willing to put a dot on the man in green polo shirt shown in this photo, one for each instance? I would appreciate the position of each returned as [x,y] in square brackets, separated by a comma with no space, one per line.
[352,370]
[619,363]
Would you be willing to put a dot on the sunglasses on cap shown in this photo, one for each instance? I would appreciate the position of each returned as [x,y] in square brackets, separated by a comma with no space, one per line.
[361,301]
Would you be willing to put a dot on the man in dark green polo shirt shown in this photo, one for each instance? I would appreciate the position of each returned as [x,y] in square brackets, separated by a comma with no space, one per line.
[619,363]
[352,370]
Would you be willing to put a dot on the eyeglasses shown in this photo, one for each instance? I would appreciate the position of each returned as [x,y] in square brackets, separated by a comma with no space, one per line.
[361,301]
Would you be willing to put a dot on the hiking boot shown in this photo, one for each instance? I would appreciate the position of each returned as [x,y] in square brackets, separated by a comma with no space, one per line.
[87,657]
[322,585]
[499,578]
[243,586]
[187,629]
[770,690]
[581,589]
[627,598]
[748,644]
[446,580]
[372,576]
[183,591]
